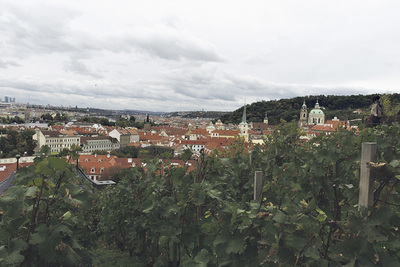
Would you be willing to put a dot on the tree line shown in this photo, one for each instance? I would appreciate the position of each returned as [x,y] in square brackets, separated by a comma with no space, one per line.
[289,109]
[120,121]
[9,120]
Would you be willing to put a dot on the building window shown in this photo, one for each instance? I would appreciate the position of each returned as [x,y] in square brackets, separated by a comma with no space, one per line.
[92,170]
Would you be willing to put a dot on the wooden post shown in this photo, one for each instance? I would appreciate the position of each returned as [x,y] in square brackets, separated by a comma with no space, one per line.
[258,185]
[251,160]
[366,196]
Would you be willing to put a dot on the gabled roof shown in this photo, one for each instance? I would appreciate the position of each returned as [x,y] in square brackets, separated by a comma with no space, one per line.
[98,166]
[200,132]
[127,162]
[51,133]
[146,136]
[7,168]
[95,158]
[69,132]
[193,142]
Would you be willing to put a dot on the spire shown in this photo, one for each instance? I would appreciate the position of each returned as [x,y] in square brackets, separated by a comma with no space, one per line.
[266,118]
[317,104]
[244,114]
[304,106]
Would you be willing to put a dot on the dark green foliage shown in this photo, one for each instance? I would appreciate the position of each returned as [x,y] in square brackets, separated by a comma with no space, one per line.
[196,114]
[102,121]
[308,217]
[17,143]
[163,216]
[45,217]
[15,119]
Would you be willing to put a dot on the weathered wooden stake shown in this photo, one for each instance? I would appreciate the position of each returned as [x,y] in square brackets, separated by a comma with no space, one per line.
[258,185]
[366,196]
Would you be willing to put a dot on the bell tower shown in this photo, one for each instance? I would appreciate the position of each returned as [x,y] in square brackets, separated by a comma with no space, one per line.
[266,118]
[244,126]
[303,115]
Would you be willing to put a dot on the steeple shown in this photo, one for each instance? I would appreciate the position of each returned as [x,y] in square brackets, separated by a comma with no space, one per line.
[317,104]
[244,114]
[147,125]
[304,106]
[244,127]
[266,118]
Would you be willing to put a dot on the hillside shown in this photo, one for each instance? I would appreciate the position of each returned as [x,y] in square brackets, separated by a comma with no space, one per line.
[289,109]
[196,114]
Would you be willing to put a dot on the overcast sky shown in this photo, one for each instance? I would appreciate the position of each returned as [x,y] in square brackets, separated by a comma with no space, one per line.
[192,55]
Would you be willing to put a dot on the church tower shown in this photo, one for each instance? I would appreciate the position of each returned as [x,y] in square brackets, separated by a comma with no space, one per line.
[303,115]
[244,127]
[147,125]
[266,118]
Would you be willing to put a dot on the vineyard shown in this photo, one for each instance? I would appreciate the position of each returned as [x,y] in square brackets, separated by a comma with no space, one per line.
[308,214]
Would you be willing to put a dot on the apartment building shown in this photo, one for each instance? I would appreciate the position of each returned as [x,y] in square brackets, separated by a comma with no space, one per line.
[56,140]
[99,143]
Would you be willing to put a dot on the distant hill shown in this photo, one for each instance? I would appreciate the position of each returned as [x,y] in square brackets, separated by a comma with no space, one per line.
[197,114]
[289,109]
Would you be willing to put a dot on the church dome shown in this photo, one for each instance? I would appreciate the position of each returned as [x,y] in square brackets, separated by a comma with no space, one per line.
[316,112]
[316,115]
[210,127]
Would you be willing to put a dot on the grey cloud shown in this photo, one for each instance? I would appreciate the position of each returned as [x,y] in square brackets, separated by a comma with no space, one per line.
[4,64]
[172,44]
[34,30]
[76,66]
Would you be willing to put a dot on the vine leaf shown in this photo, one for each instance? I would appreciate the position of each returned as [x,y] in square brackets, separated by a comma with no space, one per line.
[235,245]
[203,256]
[12,256]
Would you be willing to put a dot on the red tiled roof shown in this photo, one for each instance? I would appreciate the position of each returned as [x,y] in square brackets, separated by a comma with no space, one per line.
[7,168]
[227,132]
[127,162]
[95,158]
[68,132]
[51,133]
[193,142]
[146,136]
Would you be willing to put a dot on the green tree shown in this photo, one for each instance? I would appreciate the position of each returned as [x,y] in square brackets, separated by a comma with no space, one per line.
[43,221]
[47,117]
[186,155]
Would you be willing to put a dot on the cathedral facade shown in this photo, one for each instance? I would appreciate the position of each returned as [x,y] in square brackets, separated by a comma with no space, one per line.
[315,117]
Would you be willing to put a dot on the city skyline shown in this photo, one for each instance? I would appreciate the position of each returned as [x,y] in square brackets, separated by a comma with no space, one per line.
[181,56]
